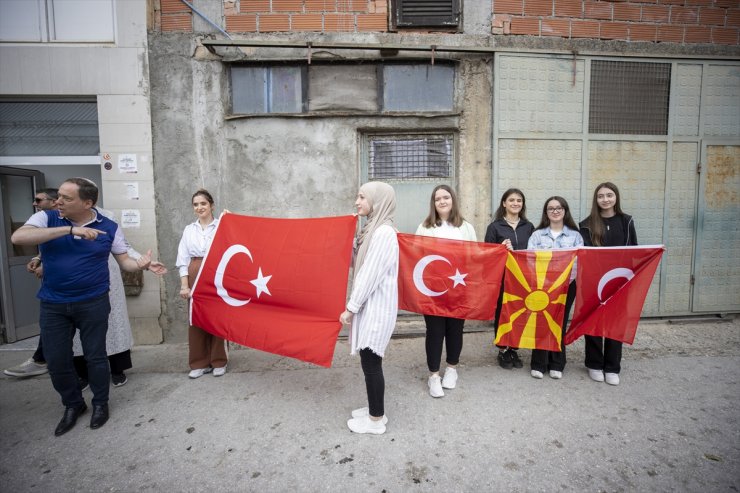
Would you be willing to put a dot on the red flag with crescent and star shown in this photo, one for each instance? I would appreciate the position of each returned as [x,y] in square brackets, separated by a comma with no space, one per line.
[278,285]
[612,285]
[535,288]
[449,278]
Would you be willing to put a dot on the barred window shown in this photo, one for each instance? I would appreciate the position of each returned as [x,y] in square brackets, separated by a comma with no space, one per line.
[629,97]
[410,156]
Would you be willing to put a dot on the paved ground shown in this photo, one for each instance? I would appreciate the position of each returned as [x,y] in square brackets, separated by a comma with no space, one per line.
[273,424]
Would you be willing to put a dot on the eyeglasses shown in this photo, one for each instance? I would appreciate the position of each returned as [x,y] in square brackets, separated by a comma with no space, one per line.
[36,200]
[555,209]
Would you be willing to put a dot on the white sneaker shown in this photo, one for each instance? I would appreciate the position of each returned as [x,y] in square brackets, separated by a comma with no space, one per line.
[596,375]
[450,379]
[199,372]
[611,378]
[364,411]
[28,368]
[536,374]
[219,372]
[435,386]
[557,375]
[366,425]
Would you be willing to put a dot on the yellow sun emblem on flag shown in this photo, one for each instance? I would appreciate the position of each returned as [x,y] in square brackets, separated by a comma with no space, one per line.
[534,299]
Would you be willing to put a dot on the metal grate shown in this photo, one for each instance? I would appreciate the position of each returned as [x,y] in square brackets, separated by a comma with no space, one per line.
[629,98]
[410,157]
[427,13]
[49,128]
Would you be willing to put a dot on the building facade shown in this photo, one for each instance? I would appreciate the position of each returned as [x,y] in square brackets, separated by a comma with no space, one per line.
[283,107]
[74,101]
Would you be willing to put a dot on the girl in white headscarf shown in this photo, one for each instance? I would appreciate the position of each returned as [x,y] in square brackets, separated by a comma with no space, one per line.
[373,305]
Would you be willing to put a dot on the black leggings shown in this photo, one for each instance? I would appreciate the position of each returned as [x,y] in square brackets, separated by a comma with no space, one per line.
[439,330]
[543,360]
[372,367]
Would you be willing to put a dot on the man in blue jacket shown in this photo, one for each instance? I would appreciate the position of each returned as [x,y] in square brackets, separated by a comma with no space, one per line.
[75,241]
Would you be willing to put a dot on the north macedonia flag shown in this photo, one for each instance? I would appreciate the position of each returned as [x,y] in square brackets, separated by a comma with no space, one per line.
[535,288]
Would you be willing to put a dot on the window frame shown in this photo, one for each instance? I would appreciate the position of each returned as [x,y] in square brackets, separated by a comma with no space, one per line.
[379,65]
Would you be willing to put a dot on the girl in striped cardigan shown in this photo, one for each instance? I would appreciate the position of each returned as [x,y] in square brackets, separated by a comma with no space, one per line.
[373,304]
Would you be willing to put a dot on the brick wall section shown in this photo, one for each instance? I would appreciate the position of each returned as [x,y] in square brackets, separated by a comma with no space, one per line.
[675,21]
[244,16]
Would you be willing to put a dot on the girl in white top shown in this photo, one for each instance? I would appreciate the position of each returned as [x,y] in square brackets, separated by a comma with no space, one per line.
[207,352]
[373,304]
[444,221]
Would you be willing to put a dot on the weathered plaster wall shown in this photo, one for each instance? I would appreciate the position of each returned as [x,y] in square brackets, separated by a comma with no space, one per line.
[280,166]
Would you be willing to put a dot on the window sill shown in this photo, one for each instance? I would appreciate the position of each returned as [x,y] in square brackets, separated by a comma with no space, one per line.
[334,114]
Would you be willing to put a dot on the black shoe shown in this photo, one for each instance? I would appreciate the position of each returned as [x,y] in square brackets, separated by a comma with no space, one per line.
[515,360]
[118,379]
[99,416]
[83,383]
[69,419]
[504,360]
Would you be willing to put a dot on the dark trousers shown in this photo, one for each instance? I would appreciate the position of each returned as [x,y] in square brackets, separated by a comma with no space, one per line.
[38,356]
[58,322]
[118,362]
[443,330]
[372,367]
[603,353]
[497,317]
[543,360]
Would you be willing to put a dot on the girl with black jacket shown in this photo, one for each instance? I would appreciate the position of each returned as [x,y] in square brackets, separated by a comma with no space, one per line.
[606,226]
[511,229]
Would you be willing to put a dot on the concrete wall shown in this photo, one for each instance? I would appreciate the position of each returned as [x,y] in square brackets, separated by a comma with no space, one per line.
[280,166]
[117,75]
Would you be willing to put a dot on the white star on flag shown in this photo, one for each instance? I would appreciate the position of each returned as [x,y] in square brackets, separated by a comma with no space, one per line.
[458,278]
[261,283]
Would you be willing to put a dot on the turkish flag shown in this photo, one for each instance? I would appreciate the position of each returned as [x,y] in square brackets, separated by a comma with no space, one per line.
[535,289]
[612,285]
[449,278]
[278,285]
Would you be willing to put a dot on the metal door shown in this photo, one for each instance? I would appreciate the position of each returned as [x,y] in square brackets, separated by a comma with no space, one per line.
[717,258]
[20,309]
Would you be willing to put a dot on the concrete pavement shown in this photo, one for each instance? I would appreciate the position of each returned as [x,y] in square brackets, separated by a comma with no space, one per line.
[274,424]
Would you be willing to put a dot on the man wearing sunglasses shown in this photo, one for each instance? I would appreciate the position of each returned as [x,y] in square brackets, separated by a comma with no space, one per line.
[45,200]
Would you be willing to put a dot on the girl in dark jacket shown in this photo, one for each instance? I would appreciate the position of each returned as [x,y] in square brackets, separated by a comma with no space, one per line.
[511,229]
[606,226]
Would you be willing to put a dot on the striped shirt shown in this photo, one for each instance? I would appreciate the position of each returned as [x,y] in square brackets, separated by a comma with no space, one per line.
[374,299]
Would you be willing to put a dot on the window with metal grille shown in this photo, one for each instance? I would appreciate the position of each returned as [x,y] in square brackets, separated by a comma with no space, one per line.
[49,128]
[426,13]
[410,156]
[629,97]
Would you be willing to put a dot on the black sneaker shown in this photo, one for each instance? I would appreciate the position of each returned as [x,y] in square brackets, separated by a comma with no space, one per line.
[504,360]
[118,379]
[83,383]
[515,360]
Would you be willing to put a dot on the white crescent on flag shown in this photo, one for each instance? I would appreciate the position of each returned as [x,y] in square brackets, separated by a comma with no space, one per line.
[622,272]
[218,280]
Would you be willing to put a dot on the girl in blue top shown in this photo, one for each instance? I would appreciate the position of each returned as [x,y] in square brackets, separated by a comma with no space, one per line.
[556,230]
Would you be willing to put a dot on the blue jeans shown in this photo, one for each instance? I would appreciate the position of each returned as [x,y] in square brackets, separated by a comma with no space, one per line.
[58,322]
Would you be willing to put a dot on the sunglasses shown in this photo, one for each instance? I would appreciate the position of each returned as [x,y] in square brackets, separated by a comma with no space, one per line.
[37,200]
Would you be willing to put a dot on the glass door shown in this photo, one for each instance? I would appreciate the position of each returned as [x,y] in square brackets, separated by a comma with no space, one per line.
[19,308]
